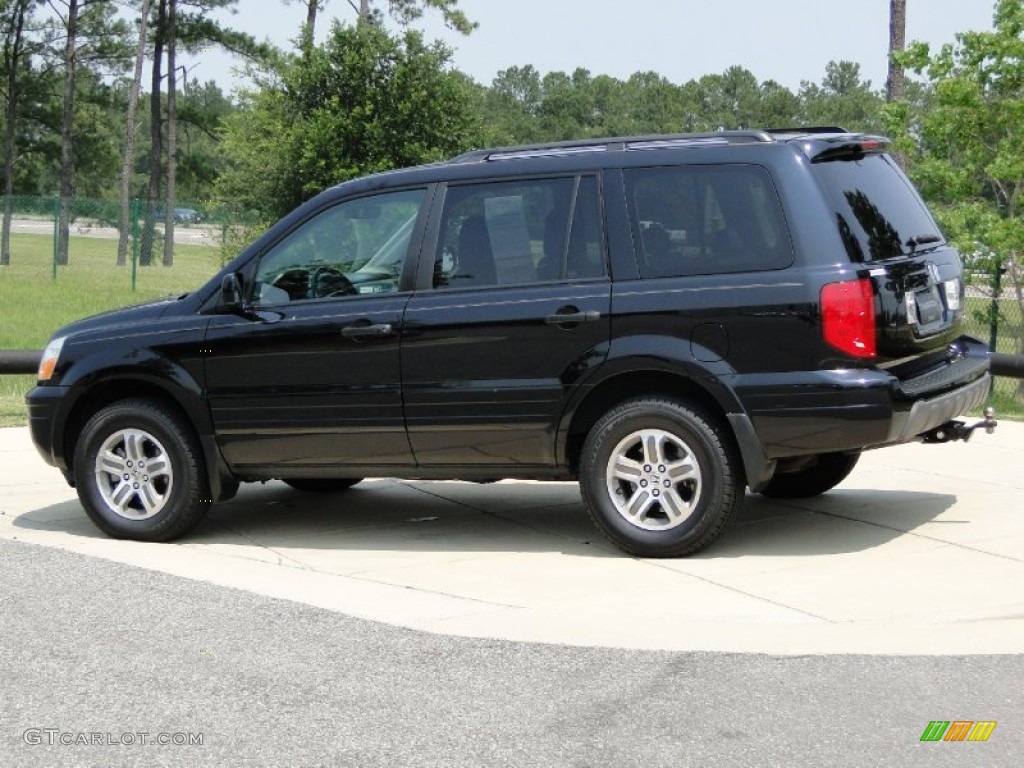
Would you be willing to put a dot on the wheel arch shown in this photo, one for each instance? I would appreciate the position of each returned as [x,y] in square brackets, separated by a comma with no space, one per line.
[632,378]
[105,390]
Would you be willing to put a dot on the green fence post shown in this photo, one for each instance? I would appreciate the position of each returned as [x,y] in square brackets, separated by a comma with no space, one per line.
[56,217]
[135,237]
[993,316]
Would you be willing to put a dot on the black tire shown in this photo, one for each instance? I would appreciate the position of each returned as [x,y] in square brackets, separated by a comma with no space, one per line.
[152,486]
[692,509]
[824,473]
[322,484]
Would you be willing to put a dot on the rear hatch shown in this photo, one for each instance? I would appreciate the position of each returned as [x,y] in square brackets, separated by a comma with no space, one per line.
[915,275]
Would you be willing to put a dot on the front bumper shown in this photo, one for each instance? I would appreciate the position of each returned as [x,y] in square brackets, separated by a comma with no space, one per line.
[43,406]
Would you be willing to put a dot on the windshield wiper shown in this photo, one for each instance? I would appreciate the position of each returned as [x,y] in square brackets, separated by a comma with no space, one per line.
[914,242]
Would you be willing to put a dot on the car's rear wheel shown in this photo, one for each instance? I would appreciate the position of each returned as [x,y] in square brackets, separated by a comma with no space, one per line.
[822,473]
[139,472]
[322,484]
[660,478]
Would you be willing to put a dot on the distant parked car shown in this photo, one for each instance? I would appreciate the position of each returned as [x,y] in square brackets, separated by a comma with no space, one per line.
[187,215]
[183,215]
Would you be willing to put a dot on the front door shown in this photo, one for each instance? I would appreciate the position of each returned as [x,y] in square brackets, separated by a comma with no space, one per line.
[309,381]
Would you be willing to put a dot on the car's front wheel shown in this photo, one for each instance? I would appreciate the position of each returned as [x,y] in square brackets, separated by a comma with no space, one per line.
[139,472]
[660,478]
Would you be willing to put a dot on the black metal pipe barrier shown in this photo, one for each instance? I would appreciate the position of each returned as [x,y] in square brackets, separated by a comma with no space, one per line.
[20,360]
[1008,365]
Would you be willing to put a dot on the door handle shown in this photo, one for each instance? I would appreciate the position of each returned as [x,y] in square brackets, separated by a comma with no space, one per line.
[367,331]
[572,316]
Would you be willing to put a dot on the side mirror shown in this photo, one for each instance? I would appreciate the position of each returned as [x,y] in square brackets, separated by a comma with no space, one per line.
[231,291]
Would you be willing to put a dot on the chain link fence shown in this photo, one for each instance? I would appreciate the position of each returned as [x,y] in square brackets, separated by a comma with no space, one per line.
[205,237]
[995,314]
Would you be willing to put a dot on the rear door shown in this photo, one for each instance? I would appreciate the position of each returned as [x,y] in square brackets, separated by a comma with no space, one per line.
[512,311]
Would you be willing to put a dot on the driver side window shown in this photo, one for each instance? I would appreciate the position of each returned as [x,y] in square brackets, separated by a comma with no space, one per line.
[356,247]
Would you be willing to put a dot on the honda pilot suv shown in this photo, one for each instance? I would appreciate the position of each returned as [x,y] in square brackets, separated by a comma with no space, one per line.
[669,320]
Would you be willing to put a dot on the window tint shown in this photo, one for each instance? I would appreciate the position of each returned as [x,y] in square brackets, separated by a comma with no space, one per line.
[877,210]
[512,232]
[356,247]
[698,220]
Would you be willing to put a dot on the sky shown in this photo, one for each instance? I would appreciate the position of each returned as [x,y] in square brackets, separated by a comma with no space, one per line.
[785,41]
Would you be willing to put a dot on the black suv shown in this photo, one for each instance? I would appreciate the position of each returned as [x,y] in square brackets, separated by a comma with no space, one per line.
[667,319]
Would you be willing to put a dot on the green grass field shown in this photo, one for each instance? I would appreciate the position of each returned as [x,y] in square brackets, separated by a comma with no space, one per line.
[33,305]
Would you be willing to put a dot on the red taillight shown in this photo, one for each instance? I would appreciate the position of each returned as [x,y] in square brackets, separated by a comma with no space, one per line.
[848,317]
[870,146]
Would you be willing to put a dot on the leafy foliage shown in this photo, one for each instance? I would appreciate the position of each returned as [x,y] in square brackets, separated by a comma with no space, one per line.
[364,101]
[967,139]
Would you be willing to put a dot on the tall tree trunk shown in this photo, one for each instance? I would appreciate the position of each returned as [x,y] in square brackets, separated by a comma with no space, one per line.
[155,138]
[364,12]
[172,165]
[129,138]
[895,85]
[13,50]
[312,6]
[67,160]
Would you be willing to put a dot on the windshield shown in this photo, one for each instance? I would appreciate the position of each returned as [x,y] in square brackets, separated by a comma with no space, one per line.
[879,213]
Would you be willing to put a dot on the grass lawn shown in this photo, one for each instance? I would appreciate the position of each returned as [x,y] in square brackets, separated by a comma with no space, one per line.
[1011,328]
[33,305]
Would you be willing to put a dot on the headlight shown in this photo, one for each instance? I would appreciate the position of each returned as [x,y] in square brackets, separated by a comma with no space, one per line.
[50,356]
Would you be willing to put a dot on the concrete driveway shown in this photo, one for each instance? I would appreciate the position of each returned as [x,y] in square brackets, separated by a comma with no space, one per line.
[920,551]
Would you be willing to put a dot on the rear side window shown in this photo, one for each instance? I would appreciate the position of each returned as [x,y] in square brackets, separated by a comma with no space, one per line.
[879,214]
[516,232]
[704,219]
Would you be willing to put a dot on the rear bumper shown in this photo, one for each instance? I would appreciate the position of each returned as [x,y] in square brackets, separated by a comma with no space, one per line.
[802,413]
[927,414]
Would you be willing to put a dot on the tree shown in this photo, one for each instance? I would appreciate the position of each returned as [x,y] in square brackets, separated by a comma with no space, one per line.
[654,103]
[364,101]
[129,138]
[92,36]
[367,12]
[66,158]
[18,47]
[970,144]
[192,30]
[156,136]
[895,83]
[509,107]
[842,99]
[172,132]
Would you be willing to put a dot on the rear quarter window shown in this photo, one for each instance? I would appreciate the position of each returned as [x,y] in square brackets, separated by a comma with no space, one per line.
[706,219]
[878,211]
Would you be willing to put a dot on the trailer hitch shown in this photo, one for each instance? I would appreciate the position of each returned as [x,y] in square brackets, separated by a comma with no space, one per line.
[958,430]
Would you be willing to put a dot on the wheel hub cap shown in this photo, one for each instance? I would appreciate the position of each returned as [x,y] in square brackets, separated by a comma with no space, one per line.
[133,474]
[654,480]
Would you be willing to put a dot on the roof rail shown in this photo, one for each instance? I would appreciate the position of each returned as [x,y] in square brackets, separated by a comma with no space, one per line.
[615,144]
[800,130]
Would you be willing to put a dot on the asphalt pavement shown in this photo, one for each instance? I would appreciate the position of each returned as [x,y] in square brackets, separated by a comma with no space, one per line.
[99,651]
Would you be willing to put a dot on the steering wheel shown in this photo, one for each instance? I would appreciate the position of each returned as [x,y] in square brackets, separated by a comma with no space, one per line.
[328,281]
